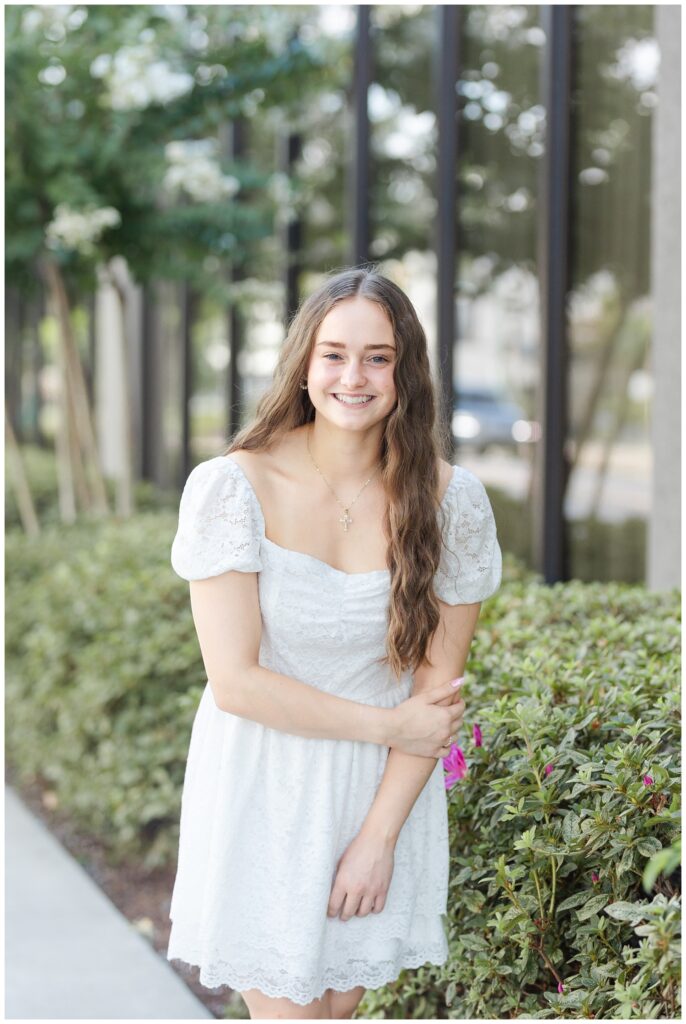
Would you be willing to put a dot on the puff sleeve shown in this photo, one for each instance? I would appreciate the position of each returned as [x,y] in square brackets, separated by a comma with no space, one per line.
[470,569]
[220,522]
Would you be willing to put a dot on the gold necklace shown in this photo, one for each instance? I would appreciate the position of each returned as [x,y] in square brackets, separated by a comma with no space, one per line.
[346,518]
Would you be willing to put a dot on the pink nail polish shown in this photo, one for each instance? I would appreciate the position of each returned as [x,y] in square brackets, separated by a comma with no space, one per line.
[457,682]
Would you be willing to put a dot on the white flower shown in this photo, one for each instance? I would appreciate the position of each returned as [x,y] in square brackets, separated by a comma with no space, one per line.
[79,229]
[194,169]
[31,20]
[101,65]
[283,194]
[638,60]
[134,78]
[54,19]
[277,31]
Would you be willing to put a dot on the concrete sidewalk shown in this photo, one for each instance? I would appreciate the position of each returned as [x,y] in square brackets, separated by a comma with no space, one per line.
[69,952]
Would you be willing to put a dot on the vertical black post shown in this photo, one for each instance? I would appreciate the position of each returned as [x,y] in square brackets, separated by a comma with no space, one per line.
[359,197]
[553,272]
[235,326]
[446,187]
[188,300]
[290,148]
[291,145]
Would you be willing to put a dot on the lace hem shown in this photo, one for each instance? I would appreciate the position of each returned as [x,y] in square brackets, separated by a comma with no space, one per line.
[278,984]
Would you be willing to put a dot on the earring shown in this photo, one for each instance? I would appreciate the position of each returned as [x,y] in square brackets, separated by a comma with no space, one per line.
[303,384]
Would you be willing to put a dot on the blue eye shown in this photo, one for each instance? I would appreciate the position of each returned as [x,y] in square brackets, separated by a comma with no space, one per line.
[335,354]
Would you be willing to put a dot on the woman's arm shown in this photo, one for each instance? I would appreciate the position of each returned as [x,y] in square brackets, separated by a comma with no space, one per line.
[364,872]
[406,775]
[228,621]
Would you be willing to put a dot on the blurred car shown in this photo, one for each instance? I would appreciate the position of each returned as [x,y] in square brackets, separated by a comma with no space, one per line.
[484,417]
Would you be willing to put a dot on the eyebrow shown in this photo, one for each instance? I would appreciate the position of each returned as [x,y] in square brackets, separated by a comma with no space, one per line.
[340,344]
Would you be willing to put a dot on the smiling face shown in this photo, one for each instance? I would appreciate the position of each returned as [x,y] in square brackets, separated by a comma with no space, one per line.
[353,355]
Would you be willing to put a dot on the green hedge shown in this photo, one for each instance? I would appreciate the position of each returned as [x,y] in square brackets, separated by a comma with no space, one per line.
[104,676]
[546,873]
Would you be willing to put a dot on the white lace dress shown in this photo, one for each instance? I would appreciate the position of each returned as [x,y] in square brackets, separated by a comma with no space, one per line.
[266,815]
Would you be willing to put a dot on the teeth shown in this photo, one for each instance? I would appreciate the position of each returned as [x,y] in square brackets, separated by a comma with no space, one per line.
[359,400]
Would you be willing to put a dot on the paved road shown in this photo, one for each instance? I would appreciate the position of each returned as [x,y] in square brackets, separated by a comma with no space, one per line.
[69,952]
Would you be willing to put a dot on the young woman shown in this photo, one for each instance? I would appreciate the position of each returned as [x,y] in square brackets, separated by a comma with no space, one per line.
[337,565]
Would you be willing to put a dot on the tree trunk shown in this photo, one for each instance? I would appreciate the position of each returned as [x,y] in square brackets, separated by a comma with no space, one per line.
[115,272]
[608,443]
[64,454]
[20,484]
[76,388]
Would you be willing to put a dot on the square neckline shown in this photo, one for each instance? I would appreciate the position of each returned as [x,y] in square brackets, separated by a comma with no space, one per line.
[304,554]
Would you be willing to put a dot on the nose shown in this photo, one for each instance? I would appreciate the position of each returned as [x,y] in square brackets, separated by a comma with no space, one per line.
[354,375]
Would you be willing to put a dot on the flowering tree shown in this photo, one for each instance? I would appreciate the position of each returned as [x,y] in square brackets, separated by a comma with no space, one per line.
[113,116]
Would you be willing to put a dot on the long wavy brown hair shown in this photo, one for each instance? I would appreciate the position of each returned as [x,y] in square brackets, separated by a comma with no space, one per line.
[411,446]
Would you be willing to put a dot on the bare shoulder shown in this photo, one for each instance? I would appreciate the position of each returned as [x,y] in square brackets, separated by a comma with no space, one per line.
[245,458]
[263,465]
[253,465]
[445,472]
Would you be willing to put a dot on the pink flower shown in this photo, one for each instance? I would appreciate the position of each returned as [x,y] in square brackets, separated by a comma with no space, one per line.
[548,768]
[595,877]
[560,987]
[647,780]
[476,732]
[454,765]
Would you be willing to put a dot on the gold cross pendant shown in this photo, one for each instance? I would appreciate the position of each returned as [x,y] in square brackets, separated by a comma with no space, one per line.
[345,519]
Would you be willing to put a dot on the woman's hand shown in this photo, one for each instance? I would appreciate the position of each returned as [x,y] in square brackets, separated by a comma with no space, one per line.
[423,724]
[363,876]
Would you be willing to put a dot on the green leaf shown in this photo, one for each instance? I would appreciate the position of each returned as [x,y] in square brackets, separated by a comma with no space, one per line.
[648,845]
[475,942]
[594,905]
[574,900]
[623,911]
[570,827]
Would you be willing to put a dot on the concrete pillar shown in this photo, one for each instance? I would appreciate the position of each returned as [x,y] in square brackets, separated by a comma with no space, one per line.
[109,383]
[117,377]
[664,527]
